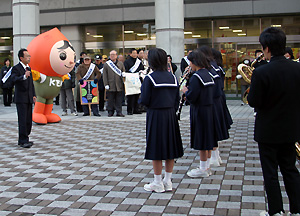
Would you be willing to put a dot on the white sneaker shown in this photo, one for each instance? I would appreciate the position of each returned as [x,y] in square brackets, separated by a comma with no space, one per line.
[214,163]
[158,188]
[64,113]
[168,186]
[74,114]
[194,173]
[265,213]
[209,171]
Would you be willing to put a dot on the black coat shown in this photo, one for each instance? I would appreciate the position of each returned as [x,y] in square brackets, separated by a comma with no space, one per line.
[275,94]
[130,62]
[24,89]
[9,83]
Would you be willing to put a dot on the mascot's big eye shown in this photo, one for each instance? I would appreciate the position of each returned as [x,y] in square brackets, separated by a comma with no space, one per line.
[63,56]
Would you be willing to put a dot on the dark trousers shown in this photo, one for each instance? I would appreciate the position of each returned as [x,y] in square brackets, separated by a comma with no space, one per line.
[114,102]
[101,99]
[94,109]
[284,156]
[132,103]
[7,96]
[24,111]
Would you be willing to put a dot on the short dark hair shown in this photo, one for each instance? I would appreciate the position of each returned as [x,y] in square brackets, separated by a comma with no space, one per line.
[258,51]
[157,59]
[131,50]
[289,51]
[274,39]
[207,52]
[198,58]
[218,57]
[6,59]
[169,57]
[139,50]
[21,53]
[82,53]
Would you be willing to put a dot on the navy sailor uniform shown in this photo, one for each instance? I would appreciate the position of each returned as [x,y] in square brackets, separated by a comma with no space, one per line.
[160,93]
[221,128]
[200,94]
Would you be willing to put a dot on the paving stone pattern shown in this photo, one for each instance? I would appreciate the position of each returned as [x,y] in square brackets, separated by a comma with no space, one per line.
[86,167]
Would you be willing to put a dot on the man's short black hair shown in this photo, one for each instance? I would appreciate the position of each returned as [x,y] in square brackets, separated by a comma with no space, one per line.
[169,57]
[274,39]
[21,53]
[139,50]
[82,53]
[198,58]
[131,50]
[258,51]
[157,59]
[289,51]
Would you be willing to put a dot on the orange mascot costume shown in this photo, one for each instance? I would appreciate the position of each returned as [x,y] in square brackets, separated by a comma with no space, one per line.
[52,58]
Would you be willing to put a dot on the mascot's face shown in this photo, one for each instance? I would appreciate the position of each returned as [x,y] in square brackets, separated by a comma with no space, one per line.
[62,57]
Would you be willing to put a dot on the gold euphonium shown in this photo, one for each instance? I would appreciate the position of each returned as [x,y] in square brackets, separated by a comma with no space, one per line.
[246,72]
[297,145]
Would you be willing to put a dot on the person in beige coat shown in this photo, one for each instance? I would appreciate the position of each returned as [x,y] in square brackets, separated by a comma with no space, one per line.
[114,85]
[82,73]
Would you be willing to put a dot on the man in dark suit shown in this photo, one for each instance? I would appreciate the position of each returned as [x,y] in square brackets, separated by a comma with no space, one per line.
[24,97]
[275,93]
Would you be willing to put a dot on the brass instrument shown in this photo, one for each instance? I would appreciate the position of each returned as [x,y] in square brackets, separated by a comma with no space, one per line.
[185,76]
[297,145]
[246,72]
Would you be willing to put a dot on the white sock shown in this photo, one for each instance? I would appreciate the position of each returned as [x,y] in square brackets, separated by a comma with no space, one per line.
[203,165]
[157,179]
[213,155]
[208,163]
[168,176]
[217,153]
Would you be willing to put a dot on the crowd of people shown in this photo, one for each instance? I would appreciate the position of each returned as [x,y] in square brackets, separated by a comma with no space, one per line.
[273,93]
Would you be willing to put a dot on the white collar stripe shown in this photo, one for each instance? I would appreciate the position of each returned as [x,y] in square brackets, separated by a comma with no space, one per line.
[175,84]
[204,83]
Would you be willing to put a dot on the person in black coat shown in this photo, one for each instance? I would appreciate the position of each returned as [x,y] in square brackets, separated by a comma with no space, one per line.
[131,66]
[6,85]
[200,94]
[174,67]
[275,93]
[101,89]
[160,93]
[24,96]
[185,62]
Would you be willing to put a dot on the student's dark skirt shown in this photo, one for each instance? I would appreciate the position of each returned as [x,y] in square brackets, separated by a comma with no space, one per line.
[220,122]
[202,127]
[163,135]
[228,118]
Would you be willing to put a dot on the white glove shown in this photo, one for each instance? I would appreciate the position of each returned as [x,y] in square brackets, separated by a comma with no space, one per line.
[123,74]
[107,87]
[239,76]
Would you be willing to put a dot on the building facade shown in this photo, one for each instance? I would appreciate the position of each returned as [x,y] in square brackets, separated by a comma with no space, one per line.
[232,27]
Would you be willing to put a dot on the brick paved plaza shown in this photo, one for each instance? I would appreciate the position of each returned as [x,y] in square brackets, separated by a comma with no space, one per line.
[95,166]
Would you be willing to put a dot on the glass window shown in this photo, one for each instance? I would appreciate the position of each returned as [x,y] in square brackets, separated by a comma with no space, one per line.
[6,37]
[103,33]
[195,29]
[237,27]
[139,31]
[290,25]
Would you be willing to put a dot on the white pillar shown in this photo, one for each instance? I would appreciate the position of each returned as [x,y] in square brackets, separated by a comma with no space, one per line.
[26,24]
[169,24]
[72,33]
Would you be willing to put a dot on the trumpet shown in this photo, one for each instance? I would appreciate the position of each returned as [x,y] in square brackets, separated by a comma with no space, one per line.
[246,72]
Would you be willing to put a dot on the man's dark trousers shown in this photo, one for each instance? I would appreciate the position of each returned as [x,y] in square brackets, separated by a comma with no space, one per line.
[24,111]
[282,155]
